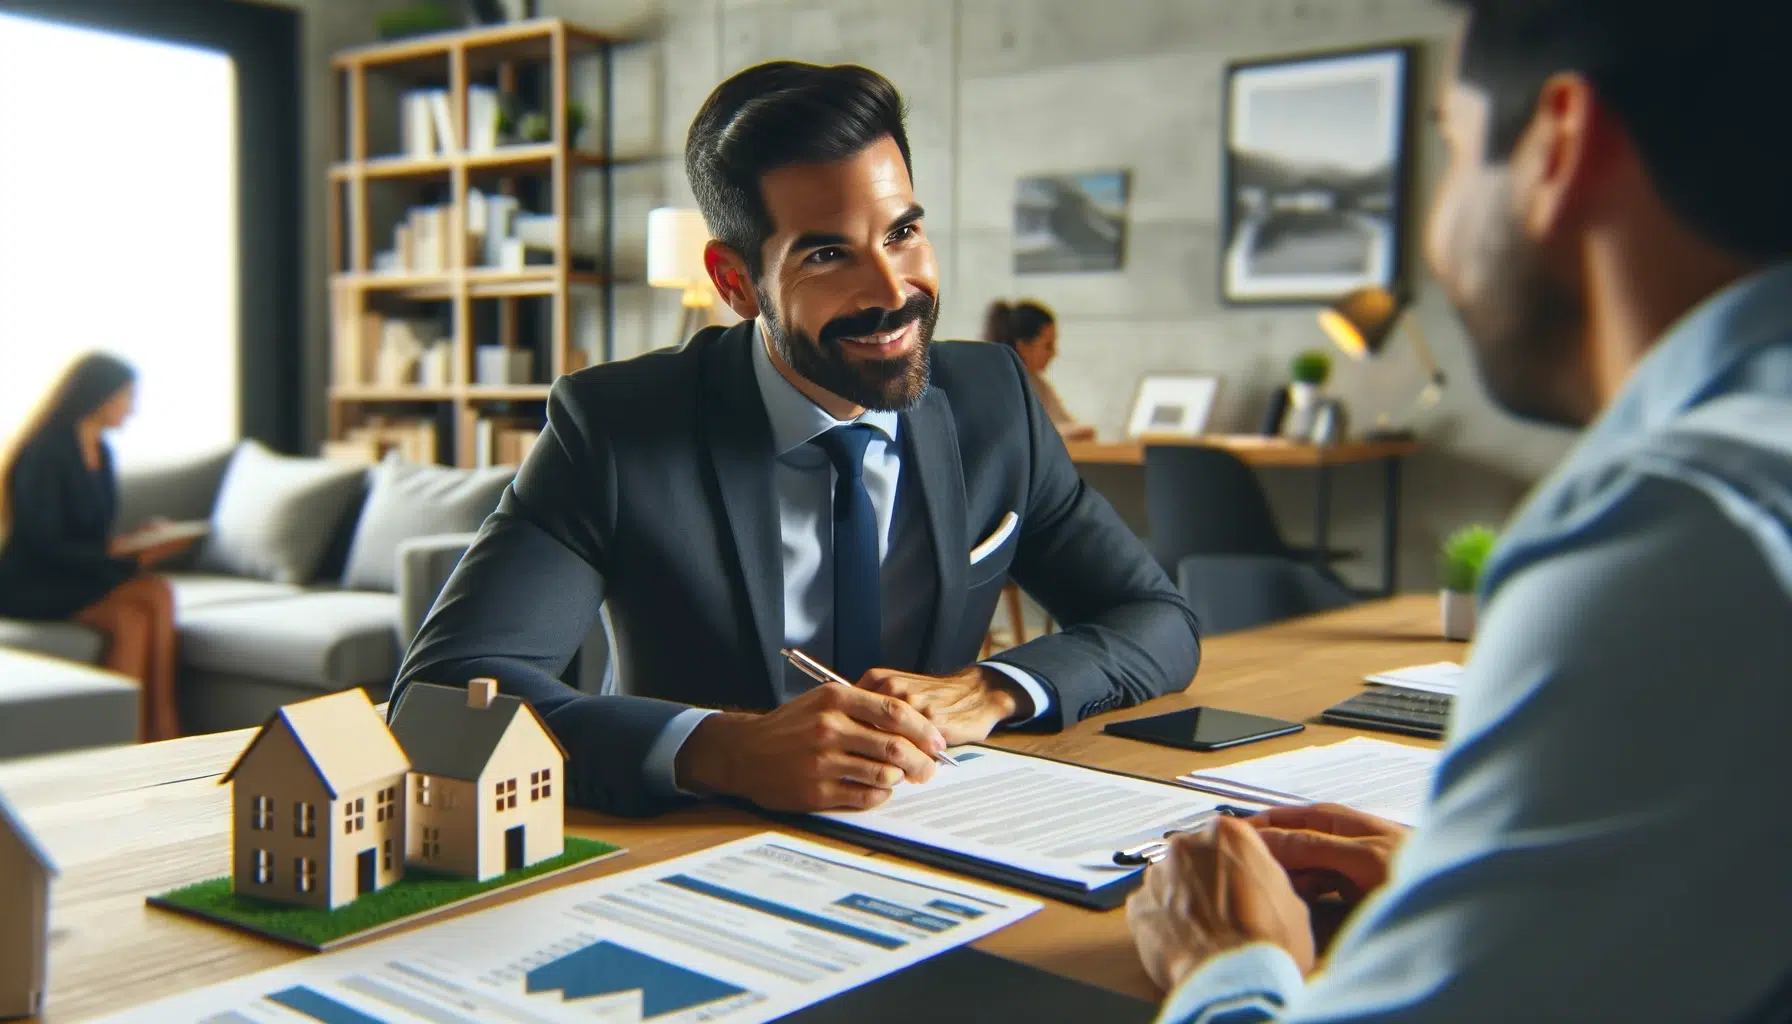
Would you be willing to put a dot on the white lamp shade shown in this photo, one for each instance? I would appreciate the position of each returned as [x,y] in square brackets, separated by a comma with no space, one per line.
[675,241]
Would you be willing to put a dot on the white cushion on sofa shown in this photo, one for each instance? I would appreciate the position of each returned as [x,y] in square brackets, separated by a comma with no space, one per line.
[406,500]
[276,514]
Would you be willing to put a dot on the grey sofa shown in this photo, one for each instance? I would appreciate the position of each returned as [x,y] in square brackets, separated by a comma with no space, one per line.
[250,643]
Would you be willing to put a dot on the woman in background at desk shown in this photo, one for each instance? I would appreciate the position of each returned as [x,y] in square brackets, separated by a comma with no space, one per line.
[58,557]
[1032,331]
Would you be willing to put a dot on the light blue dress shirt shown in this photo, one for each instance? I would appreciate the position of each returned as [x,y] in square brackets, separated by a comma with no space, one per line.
[804,478]
[1607,835]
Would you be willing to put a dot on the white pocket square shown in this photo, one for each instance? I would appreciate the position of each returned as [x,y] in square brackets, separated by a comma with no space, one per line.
[994,540]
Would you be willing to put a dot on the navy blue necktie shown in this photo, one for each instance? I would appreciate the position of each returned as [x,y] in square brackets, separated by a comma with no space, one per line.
[858,615]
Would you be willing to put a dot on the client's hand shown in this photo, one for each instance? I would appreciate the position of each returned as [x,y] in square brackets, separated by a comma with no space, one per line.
[833,748]
[167,549]
[1216,890]
[1330,849]
[965,706]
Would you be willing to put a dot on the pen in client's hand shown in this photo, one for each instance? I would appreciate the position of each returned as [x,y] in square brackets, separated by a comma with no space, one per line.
[822,674]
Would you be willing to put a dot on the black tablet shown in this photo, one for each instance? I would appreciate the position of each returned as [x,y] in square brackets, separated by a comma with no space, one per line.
[1202,728]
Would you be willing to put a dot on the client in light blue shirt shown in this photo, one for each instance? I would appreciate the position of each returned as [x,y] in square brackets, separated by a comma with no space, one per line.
[1607,834]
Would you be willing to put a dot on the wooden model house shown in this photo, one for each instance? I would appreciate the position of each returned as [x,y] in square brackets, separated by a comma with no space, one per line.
[486,789]
[25,873]
[318,804]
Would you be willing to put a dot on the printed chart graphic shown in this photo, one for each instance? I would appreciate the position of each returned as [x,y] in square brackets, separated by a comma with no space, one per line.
[605,968]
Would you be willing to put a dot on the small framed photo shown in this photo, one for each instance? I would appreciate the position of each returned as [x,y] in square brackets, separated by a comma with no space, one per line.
[1179,405]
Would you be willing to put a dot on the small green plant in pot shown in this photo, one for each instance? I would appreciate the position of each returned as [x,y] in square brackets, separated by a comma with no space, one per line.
[1311,367]
[1463,557]
[1308,372]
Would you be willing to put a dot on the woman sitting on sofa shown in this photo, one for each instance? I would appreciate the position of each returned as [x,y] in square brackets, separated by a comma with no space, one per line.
[1032,332]
[58,556]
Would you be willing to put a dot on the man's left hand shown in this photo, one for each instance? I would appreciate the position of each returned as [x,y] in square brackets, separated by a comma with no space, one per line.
[964,707]
[1216,890]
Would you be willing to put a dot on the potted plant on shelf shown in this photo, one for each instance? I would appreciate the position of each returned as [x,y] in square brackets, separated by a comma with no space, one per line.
[1308,373]
[1464,556]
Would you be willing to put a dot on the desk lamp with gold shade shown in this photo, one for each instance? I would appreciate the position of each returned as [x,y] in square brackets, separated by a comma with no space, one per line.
[1362,323]
[675,240]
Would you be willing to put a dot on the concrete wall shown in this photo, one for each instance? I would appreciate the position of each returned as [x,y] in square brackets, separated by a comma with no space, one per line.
[998,89]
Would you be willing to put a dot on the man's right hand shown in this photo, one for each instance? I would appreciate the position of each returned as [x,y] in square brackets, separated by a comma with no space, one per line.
[833,748]
[1330,849]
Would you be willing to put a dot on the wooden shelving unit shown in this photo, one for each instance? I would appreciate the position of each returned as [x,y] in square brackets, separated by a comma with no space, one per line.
[562,312]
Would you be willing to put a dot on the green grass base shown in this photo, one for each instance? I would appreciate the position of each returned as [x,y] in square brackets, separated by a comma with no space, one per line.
[420,891]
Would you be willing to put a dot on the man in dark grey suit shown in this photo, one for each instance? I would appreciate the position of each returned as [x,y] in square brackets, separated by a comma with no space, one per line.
[819,476]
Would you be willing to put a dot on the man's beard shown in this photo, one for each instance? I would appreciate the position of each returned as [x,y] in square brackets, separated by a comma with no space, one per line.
[1527,324]
[893,384]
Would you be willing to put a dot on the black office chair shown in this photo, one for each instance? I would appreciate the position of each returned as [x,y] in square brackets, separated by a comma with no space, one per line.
[1234,592]
[1206,501]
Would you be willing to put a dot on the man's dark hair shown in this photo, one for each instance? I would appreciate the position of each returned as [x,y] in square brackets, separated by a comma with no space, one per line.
[1699,87]
[774,115]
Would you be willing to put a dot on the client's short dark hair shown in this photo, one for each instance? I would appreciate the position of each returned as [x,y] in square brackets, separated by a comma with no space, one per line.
[774,115]
[1700,90]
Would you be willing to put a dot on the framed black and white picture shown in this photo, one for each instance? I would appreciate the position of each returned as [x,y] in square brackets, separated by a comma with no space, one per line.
[1070,223]
[1315,175]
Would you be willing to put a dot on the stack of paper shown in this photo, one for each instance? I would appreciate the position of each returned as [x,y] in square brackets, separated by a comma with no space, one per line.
[1055,820]
[1389,780]
[1444,677]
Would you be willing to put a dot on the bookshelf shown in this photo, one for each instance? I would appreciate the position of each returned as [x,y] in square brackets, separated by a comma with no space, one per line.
[471,229]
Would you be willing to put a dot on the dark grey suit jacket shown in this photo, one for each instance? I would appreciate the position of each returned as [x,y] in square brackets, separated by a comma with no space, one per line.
[652,486]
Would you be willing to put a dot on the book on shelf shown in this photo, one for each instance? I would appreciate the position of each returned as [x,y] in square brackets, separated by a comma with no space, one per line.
[413,439]
[426,124]
[503,440]
[483,108]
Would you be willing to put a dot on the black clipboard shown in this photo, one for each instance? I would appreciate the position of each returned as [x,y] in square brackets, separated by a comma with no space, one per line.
[1106,897]
[968,986]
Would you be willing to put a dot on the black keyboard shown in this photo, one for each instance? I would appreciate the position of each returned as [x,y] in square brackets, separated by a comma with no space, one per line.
[1409,712]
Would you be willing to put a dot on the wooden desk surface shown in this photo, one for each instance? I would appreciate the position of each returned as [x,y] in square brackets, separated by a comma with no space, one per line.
[1255,450]
[127,822]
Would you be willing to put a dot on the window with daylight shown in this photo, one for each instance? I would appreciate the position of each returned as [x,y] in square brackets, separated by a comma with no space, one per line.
[304,820]
[423,791]
[304,874]
[264,867]
[137,255]
[261,817]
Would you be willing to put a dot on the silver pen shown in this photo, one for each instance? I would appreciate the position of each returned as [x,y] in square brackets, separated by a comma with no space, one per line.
[822,674]
[1154,851]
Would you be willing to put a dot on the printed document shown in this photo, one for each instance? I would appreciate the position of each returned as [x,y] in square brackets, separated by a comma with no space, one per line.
[1443,677]
[1057,820]
[1389,780]
[743,932]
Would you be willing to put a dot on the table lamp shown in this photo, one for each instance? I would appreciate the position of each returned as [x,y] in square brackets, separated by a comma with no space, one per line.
[1362,323]
[675,240]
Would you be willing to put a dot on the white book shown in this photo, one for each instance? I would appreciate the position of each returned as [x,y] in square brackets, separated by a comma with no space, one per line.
[482,443]
[417,124]
[443,116]
[482,119]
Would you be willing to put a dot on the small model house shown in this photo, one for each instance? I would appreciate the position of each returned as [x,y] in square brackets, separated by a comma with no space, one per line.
[486,794]
[318,804]
[25,873]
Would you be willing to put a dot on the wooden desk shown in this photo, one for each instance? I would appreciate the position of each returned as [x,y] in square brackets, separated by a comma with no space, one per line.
[1278,453]
[127,822]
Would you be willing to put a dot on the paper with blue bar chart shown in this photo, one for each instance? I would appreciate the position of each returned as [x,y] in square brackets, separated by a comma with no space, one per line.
[742,932]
